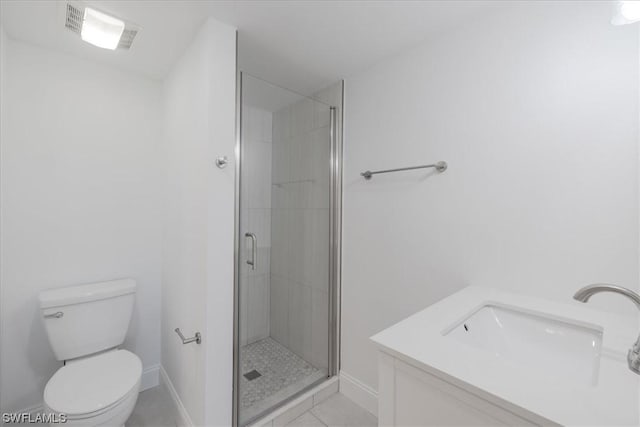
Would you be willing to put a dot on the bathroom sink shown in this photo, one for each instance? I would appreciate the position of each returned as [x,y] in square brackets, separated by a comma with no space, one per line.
[548,362]
[540,344]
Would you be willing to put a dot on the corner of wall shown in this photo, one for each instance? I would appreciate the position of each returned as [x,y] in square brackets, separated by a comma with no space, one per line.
[222,74]
[3,73]
[197,289]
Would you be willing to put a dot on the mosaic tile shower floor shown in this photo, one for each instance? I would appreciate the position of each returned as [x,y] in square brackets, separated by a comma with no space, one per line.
[282,374]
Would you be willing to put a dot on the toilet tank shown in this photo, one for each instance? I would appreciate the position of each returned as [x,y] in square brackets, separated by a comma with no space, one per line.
[85,319]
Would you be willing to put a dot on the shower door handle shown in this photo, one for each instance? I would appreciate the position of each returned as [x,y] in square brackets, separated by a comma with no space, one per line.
[254,250]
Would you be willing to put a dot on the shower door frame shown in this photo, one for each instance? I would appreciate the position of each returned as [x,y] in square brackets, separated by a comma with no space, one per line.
[335,248]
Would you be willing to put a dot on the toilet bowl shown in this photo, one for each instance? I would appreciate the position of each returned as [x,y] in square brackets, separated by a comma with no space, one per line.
[99,383]
[97,390]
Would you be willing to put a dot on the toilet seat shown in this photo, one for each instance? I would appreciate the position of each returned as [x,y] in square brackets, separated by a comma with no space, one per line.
[88,387]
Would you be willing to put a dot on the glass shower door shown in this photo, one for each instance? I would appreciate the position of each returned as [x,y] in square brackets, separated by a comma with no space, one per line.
[284,234]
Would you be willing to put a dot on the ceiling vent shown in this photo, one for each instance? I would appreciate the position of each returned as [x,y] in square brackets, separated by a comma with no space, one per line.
[127,38]
[74,17]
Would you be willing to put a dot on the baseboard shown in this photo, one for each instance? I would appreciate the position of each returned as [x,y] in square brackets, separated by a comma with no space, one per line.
[185,419]
[359,392]
[150,377]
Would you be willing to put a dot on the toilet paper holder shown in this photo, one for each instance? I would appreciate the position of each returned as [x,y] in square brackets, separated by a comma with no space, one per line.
[197,338]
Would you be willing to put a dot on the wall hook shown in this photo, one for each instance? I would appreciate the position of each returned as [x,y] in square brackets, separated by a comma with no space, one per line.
[221,162]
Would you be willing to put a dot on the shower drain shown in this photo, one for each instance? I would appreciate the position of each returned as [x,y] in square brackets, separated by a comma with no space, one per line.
[252,375]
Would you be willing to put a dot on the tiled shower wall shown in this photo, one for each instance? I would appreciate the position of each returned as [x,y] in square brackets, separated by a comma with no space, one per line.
[255,215]
[300,226]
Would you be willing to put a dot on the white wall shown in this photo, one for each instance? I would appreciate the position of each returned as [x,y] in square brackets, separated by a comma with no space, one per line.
[80,201]
[536,112]
[199,117]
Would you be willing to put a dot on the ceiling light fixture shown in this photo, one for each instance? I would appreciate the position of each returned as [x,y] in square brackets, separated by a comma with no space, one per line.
[97,27]
[626,12]
[100,29]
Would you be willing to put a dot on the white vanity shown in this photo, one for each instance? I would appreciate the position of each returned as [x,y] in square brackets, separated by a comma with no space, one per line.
[487,357]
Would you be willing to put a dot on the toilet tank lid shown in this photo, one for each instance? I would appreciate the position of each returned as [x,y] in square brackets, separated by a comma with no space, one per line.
[83,293]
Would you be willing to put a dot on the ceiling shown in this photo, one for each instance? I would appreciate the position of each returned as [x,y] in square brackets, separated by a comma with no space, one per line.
[302,45]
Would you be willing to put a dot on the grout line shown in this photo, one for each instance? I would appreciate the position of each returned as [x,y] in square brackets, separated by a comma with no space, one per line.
[319,420]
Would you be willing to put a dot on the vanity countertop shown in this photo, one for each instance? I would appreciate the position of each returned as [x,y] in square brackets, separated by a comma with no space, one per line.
[420,341]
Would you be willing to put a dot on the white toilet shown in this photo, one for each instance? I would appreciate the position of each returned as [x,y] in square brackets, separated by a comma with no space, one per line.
[99,383]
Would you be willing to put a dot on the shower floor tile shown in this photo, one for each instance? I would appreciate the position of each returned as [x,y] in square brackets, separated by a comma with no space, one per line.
[282,374]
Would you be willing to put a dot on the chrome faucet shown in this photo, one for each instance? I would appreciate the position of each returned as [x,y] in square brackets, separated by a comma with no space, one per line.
[583,295]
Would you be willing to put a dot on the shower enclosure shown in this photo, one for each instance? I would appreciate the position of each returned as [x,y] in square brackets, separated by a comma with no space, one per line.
[287,251]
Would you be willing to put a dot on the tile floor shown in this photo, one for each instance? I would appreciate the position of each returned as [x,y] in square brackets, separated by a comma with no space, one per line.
[337,410]
[155,409]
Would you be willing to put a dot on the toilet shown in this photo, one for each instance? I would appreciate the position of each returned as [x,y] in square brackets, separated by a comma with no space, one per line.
[99,383]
